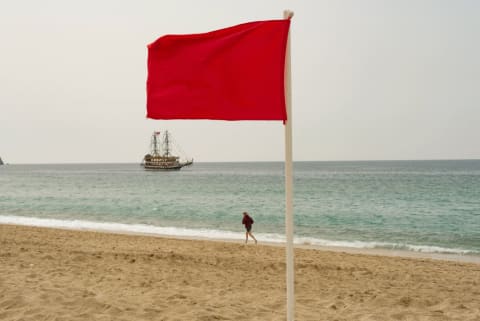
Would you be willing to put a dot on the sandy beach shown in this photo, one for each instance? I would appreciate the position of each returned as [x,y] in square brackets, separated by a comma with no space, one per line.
[50,274]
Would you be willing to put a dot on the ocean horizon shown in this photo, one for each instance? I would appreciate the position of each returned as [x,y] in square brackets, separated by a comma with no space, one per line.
[426,206]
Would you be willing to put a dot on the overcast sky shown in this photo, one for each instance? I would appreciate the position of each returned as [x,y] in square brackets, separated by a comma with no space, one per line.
[371,80]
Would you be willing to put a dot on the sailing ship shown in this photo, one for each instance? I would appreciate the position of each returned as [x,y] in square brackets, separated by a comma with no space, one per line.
[1,162]
[161,157]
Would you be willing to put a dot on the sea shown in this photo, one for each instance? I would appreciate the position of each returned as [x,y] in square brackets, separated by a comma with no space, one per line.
[428,206]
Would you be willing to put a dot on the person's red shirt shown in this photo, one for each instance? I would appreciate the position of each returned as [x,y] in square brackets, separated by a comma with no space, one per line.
[247,221]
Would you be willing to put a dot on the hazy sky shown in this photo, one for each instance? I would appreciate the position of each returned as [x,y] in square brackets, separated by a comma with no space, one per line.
[371,80]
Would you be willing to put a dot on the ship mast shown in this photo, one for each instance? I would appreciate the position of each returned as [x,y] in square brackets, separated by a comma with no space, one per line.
[155,147]
[166,144]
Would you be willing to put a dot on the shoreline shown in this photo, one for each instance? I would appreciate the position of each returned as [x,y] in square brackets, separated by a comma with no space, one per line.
[462,258]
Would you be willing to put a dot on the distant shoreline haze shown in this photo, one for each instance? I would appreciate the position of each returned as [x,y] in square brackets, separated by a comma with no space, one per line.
[265,161]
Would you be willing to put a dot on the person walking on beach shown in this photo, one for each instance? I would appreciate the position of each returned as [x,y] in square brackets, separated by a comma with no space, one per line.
[248,221]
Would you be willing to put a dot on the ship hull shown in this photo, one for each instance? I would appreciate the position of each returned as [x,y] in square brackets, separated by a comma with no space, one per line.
[162,168]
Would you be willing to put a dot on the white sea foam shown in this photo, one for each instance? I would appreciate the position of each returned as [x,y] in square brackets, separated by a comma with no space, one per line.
[119,227]
[218,234]
[384,245]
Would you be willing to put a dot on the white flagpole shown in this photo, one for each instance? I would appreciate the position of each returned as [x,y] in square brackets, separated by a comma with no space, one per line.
[289,183]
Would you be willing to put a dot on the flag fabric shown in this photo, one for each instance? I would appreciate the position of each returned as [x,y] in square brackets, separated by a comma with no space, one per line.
[236,73]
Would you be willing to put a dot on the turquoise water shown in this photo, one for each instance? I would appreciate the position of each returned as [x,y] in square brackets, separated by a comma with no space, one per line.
[427,206]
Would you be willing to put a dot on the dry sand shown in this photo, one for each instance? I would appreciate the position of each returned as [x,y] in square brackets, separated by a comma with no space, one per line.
[48,274]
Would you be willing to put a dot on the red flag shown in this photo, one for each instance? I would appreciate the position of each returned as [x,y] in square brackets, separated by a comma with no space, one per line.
[236,73]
